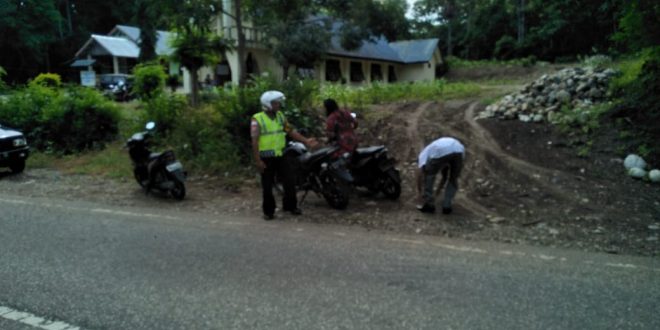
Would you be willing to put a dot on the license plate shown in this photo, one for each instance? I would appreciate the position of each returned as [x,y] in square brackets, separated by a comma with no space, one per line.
[174,166]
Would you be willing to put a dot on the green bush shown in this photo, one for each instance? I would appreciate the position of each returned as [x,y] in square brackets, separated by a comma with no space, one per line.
[149,80]
[597,61]
[201,138]
[640,103]
[166,111]
[23,110]
[62,121]
[80,119]
[3,73]
[529,61]
[505,48]
[52,80]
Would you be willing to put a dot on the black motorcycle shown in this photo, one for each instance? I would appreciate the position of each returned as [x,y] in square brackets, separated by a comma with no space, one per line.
[374,169]
[160,171]
[320,172]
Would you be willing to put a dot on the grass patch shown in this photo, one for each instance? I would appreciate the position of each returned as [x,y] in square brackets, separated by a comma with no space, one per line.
[458,63]
[379,93]
[111,162]
[40,160]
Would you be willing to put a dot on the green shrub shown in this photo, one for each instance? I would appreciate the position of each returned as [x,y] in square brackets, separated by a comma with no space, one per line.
[149,80]
[80,119]
[585,120]
[597,61]
[62,121]
[505,48]
[640,103]
[201,138]
[166,111]
[3,73]
[52,80]
[23,110]
[529,61]
[630,69]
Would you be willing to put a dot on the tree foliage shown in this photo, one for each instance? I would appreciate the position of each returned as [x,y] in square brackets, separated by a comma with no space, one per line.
[547,29]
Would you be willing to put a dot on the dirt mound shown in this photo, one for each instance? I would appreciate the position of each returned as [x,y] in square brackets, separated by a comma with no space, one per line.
[521,183]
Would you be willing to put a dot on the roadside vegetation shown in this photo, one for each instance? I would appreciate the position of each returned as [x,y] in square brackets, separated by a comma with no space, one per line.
[78,130]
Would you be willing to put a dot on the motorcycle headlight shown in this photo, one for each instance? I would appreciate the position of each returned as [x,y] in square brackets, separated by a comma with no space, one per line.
[20,142]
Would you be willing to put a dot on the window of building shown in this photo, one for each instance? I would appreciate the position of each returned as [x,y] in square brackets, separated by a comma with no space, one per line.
[356,72]
[305,72]
[391,75]
[332,70]
[376,73]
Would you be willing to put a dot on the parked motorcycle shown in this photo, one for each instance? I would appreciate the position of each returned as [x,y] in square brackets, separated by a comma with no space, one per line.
[373,168]
[159,171]
[319,172]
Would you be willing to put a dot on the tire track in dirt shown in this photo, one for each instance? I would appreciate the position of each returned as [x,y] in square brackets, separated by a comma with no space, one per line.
[413,128]
[488,144]
[483,149]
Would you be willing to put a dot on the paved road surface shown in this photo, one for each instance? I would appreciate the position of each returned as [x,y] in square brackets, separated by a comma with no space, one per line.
[96,267]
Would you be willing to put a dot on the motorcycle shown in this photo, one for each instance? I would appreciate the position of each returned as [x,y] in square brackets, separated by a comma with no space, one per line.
[371,167]
[319,172]
[163,168]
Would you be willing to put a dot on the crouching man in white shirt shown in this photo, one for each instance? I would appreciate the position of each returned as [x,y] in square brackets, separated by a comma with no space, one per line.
[445,154]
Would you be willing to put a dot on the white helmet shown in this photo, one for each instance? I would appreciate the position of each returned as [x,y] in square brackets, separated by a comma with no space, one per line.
[270,96]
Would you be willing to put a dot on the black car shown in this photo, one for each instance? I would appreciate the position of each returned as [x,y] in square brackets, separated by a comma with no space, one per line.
[14,150]
[117,86]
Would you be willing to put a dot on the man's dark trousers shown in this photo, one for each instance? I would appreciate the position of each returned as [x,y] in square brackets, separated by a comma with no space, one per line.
[277,166]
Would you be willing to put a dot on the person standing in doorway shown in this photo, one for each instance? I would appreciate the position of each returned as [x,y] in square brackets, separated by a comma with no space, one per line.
[445,154]
[268,130]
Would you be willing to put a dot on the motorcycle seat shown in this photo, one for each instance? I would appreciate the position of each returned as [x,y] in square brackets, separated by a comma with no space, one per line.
[154,155]
[368,150]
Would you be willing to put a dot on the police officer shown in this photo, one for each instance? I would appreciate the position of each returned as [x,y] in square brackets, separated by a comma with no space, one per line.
[268,130]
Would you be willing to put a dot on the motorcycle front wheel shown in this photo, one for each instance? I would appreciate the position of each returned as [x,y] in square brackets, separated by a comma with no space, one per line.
[141,176]
[179,190]
[335,193]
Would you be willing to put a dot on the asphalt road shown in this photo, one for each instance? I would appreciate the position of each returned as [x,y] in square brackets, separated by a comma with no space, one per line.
[97,267]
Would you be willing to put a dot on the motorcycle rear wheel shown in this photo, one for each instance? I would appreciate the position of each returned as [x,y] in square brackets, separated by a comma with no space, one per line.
[391,188]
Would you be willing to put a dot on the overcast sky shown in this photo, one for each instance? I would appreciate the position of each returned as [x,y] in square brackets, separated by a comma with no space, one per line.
[410,7]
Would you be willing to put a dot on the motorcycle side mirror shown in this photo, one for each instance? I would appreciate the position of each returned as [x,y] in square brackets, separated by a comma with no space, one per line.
[150,125]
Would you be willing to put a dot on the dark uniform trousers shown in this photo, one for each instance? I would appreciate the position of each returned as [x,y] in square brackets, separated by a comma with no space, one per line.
[277,166]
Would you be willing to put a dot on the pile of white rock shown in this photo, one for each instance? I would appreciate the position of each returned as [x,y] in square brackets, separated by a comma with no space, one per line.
[636,167]
[541,99]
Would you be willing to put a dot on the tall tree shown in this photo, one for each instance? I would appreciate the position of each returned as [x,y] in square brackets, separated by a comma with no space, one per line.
[195,45]
[294,34]
[147,20]
[28,28]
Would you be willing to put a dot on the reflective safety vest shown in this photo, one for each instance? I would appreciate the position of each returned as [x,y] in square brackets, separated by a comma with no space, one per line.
[272,137]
